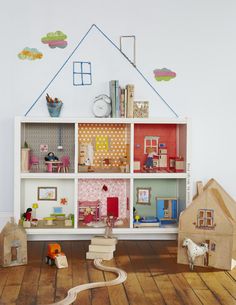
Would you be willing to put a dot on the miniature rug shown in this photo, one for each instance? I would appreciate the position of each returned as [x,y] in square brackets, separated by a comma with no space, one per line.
[72,293]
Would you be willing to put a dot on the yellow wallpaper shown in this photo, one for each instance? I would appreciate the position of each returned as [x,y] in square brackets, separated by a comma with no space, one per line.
[108,140]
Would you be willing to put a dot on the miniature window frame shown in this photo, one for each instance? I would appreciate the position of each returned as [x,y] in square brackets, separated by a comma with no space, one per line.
[47,193]
[82,74]
[151,142]
[143,195]
[205,218]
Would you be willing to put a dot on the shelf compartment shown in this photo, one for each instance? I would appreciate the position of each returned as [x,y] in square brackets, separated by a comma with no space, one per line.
[103,148]
[43,138]
[166,144]
[146,193]
[55,199]
[103,197]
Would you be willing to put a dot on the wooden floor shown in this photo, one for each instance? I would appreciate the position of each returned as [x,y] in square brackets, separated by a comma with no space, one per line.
[154,277]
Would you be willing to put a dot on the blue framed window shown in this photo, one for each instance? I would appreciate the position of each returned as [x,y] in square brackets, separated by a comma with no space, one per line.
[82,74]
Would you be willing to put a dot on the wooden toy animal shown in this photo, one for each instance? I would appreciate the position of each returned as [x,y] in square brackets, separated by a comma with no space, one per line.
[194,250]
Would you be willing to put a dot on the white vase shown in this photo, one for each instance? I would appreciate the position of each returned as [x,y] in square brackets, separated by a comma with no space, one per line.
[25,160]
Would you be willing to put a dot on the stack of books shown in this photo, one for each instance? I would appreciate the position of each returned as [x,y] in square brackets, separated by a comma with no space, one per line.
[122,99]
[101,247]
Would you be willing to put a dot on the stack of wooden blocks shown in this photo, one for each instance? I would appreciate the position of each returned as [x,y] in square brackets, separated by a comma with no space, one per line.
[101,247]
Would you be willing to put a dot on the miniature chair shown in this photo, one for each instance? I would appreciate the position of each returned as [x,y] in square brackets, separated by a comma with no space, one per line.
[65,163]
[34,162]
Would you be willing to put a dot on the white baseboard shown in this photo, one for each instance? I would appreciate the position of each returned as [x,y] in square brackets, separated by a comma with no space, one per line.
[4,218]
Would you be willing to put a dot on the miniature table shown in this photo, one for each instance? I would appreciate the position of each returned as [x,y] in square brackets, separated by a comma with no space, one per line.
[50,165]
[49,220]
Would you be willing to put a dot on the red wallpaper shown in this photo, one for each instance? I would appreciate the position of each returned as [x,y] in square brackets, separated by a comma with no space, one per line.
[165,132]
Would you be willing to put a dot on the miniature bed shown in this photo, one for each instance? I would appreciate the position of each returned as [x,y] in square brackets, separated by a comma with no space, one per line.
[148,221]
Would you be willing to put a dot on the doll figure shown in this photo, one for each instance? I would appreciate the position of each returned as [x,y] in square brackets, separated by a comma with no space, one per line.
[88,215]
[27,215]
[149,161]
[109,225]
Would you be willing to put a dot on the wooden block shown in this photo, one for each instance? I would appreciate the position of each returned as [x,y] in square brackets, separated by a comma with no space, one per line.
[68,222]
[101,240]
[102,248]
[61,261]
[103,255]
[26,224]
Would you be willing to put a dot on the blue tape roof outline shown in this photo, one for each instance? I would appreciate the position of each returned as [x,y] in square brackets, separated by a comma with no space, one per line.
[94,26]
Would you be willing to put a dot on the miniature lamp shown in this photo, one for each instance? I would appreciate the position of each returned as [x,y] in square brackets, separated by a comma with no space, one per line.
[35,207]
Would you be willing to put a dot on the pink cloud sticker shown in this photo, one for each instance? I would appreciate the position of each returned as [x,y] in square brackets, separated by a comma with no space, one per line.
[164,74]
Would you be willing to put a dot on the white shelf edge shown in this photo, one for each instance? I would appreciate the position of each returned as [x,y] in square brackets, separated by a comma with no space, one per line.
[102,120]
[103,175]
[100,231]
[47,176]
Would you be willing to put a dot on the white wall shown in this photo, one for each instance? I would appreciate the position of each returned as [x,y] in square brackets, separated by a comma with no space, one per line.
[196,39]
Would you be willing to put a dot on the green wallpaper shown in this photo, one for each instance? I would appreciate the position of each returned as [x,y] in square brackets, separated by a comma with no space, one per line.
[160,188]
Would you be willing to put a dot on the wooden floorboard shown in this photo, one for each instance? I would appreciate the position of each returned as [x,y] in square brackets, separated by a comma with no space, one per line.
[154,277]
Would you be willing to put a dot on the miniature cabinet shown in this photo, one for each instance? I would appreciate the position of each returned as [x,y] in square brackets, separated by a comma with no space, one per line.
[106,158]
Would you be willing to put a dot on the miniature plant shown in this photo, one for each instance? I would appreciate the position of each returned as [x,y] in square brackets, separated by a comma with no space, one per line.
[26,145]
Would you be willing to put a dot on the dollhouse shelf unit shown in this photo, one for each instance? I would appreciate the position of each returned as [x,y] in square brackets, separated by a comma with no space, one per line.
[112,166]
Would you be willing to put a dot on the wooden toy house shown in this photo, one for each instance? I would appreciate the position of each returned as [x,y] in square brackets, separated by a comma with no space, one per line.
[210,218]
[13,245]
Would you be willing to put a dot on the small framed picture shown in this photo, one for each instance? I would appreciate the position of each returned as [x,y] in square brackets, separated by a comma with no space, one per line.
[47,193]
[144,195]
[141,109]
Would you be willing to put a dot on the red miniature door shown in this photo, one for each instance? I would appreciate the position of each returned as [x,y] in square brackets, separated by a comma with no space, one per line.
[113,206]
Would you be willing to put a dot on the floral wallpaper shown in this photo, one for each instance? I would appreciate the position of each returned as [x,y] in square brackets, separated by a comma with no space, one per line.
[93,189]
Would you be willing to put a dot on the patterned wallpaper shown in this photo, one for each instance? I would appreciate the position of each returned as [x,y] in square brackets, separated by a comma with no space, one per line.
[109,141]
[91,189]
[53,135]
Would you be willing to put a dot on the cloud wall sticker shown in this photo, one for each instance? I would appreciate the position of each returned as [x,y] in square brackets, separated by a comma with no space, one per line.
[55,39]
[164,74]
[30,54]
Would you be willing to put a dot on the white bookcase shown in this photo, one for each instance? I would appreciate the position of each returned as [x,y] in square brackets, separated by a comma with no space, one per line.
[117,144]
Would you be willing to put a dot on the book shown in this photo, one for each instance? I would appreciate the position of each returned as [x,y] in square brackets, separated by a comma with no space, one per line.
[112,85]
[102,248]
[102,255]
[122,103]
[130,100]
[100,240]
[117,98]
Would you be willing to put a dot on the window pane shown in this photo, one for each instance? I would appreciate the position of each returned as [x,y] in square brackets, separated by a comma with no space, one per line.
[86,79]
[86,67]
[209,213]
[201,214]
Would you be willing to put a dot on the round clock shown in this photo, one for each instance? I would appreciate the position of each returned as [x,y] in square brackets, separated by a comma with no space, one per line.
[102,106]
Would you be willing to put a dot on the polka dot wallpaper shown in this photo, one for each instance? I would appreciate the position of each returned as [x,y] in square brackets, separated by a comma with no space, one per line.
[109,142]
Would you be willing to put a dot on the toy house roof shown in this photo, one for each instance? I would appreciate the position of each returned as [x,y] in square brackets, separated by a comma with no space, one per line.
[213,197]
[11,228]
[226,202]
